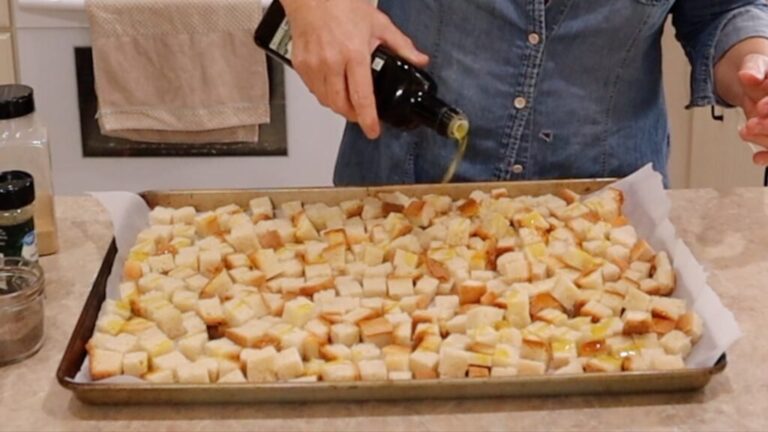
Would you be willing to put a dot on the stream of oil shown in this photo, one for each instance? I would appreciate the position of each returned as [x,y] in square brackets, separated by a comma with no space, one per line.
[462,142]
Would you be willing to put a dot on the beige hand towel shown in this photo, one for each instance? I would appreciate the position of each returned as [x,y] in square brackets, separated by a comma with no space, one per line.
[179,71]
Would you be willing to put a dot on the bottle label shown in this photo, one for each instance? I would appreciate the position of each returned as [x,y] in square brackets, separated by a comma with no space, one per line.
[19,241]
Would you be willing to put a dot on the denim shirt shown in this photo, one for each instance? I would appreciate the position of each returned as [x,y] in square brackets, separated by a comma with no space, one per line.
[553,88]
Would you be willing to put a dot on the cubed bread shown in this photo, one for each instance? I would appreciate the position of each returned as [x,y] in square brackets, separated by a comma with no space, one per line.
[160,377]
[192,373]
[288,364]
[677,343]
[169,361]
[372,370]
[234,377]
[192,346]
[339,371]
[454,363]
[260,366]
[345,334]
[104,364]
[211,311]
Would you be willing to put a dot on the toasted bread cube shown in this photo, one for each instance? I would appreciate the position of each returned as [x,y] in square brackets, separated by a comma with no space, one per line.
[365,351]
[135,363]
[220,285]
[624,236]
[184,215]
[518,308]
[471,291]
[457,324]
[237,312]
[319,328]
[374,287]
[234,377]
[505,356]
[349,288]
[358,314]
[339,371]
[483,316]
[169,361]
[596,310]
[210,262]
[399,288]
[160,377]
[251,334]
[335,352]
[345,334]
[637,300]
[299,311]
[222,348]
[691,324]
[668,362]
[184,300]
[563,352]
[161,263]
[192,346]
[427,286]
[637,322]
[161,216]
[196,283]
[274,303]
[402,334]
[193,373]
[170,321]
[454,363]
[261,208]
[676,343]
[423,364]
[266,261]
[110,324]
[527,367]
[288,364]
[260,366]
[667,307]
[372,370]
[210,311]
[155,342]
[534,348]
[243,238]
[603,363]
[104,364]
[457,341]
[397,358]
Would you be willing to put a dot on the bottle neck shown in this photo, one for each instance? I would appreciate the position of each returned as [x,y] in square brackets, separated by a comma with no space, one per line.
[435,114]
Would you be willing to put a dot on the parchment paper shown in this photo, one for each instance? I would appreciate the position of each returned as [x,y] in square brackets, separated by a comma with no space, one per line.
[645,204]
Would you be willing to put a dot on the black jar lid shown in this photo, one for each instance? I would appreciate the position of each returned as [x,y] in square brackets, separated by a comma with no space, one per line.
[17,190]
[16,101]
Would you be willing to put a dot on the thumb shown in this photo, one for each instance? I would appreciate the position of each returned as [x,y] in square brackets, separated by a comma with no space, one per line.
[754,70]
[398,42]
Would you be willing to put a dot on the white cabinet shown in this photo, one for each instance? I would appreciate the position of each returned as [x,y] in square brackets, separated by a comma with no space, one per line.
[7,74]
[5,15]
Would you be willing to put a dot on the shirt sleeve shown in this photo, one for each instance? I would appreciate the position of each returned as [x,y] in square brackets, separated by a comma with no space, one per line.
[707,29]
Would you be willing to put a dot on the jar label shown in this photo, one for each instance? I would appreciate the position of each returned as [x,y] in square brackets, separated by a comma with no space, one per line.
[19,241]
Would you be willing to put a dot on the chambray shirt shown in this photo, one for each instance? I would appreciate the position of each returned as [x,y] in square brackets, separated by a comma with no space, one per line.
[553,88]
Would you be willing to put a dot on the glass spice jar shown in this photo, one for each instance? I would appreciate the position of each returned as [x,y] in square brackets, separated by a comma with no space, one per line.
[21,309]
[17,224]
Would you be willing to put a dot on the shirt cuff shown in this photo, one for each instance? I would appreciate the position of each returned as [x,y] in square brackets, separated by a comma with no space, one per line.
[737,26]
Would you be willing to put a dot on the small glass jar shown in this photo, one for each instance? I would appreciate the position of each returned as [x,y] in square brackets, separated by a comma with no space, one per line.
[17,224]
[24,147]
[21,309]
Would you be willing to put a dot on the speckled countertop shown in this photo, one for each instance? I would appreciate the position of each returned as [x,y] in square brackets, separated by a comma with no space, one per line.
[727,231]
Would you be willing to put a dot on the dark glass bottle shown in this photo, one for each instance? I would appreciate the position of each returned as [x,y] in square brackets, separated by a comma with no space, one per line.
[406,96]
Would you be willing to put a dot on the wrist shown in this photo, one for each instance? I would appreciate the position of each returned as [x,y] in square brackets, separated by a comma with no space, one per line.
[727,84]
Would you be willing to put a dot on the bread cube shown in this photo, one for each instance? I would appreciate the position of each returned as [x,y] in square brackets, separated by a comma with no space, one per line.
[372,370]
[483,316]
[457,324]
[192,346]
[637,322]
[595,310]
[222,348]
[170,361]
[299,311]
[234,377]
[518,308]
[374,287]
[454,363]
[676,343]
[160,377]
[261,365]
[667,307]
[527,367]
[192,373]
[400,287]
[335,352]
[397,358]
[691,324]
[668,362]
[345,334]
[288,364]
[104,364]
[339,371]
[423,364]
[211,311]
[365,351]
[155,342]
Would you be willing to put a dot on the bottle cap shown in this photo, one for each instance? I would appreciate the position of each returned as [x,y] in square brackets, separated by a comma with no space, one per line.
[17,190]
[16,101]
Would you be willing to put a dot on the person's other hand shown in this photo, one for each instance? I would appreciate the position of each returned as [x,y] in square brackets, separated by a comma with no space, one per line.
[753,77]
[332,46]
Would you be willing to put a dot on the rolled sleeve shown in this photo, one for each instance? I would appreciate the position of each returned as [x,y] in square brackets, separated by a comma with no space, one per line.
[707,30]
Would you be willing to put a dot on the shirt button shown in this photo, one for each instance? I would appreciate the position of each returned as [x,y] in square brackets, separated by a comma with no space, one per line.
[534,38]
[520,103]
[517,169]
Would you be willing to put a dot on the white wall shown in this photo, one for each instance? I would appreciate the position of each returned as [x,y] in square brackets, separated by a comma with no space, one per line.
[46,58]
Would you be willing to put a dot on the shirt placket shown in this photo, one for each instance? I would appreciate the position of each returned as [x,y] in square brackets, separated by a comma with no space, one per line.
[515,159]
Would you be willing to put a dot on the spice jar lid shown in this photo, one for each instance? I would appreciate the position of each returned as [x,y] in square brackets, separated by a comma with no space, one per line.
[17,190]
[16,101]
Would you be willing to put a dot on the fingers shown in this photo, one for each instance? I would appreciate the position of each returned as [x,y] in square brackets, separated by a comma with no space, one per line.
[336,94]
[754,76]
[360,86]
[762,107]
[760,158]
[394,39]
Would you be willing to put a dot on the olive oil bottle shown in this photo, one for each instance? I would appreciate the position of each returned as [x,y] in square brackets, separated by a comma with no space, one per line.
[406,96]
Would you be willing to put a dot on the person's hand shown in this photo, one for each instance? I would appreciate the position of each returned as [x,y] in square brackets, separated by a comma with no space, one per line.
[753,77]
[332,46]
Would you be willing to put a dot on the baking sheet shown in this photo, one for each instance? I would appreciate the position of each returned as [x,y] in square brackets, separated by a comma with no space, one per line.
[646,205]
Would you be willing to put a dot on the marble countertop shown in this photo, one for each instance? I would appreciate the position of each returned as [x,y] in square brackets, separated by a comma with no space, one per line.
[726,231]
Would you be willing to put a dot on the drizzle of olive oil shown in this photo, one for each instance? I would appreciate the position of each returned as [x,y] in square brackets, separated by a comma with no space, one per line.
[459,132]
